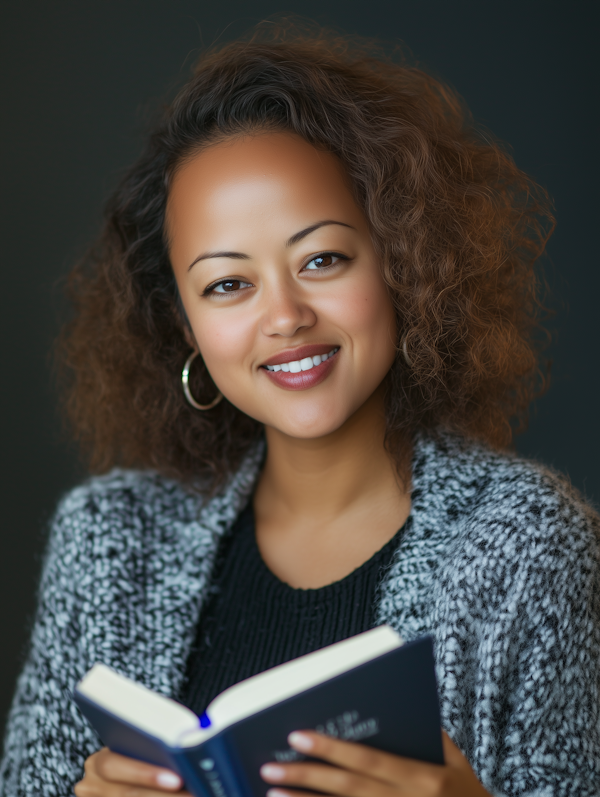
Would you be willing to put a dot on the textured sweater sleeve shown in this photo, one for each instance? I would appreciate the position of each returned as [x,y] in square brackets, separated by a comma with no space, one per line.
[526,615]
[128,559]
[551,741]
[47,740]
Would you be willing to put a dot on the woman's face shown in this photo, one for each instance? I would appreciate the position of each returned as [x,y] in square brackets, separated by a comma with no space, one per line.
[280,282]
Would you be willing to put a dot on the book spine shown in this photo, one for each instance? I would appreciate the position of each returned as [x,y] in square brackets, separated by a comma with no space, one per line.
[191,774]
[216,768]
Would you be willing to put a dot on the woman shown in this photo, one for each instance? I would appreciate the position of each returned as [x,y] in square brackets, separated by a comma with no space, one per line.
[343,267]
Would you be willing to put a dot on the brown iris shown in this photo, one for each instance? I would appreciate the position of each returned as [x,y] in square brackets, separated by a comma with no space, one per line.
[323,261]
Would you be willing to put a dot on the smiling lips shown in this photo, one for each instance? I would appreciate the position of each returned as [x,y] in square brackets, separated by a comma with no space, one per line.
[301,368]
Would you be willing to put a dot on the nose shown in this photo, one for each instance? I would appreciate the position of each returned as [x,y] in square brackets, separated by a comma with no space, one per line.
[286,311]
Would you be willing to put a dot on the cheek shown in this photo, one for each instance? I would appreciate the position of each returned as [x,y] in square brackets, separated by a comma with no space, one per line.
[225,339]
[365,311]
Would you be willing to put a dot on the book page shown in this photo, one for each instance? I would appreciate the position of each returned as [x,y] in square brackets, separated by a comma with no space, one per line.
[289,679]
[153,713]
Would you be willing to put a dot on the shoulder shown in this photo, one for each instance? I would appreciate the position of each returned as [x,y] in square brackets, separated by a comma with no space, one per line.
[511,514]
[135,509]
[478,481]
[126,493]
[116,516]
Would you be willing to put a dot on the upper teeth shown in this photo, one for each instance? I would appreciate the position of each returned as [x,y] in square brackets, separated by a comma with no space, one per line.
[295,366]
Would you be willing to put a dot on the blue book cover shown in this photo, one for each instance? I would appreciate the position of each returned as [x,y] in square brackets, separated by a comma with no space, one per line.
[388,701]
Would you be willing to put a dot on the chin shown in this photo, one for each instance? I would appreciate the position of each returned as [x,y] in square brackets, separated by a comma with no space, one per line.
[309,425]
[308,433]
[303,417]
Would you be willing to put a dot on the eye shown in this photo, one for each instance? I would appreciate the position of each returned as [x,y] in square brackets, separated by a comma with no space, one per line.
[226,286]
[324,261]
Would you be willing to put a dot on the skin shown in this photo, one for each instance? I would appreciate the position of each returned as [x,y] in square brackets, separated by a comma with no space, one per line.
[258,278]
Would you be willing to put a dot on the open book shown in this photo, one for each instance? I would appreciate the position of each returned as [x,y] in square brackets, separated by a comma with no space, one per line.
[370,689]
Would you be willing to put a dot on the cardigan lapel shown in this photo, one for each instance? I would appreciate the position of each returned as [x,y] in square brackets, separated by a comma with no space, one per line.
[406,592]
[179,561]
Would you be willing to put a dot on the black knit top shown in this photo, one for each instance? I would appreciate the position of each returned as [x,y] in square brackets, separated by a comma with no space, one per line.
[253,621]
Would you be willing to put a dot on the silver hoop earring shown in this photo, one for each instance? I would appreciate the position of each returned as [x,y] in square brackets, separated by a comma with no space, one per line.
[185,375]
[405,353]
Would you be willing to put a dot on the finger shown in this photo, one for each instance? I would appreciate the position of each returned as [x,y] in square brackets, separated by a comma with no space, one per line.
[389,768]
[452,754]
[276,792]
[117,768]
[327,779]
[94,787]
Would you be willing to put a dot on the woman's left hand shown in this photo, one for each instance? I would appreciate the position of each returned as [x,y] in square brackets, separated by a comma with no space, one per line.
[361,771]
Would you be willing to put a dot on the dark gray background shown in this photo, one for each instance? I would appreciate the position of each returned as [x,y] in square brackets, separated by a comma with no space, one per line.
[81,79]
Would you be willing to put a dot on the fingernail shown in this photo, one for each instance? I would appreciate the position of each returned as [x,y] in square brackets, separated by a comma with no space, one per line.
[272,772]
[277,793]
[169,780]
[301,741]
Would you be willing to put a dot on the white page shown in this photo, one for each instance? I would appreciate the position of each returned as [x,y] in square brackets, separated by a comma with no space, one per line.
[153,713]
[286,680]
[176,725]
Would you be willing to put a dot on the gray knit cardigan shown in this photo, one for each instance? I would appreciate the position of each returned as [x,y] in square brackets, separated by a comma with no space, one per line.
[501,564]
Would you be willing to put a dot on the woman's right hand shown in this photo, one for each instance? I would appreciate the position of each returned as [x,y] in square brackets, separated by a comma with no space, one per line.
[109,774]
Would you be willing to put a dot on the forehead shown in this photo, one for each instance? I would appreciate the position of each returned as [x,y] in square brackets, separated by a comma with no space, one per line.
[255,176]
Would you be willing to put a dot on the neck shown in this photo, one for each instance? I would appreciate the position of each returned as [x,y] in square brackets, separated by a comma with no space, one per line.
[323,479]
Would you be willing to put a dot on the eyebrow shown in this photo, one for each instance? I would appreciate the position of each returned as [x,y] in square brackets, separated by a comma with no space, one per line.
[298,236]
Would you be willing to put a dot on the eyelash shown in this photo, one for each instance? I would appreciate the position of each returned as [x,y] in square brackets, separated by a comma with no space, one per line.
[326,254]
[211,288]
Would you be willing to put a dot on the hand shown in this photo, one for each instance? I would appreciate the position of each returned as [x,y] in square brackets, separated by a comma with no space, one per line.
[109,774]
[361,771]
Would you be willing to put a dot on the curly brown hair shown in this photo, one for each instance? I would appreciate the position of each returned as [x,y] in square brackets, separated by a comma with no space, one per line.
[457,226]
